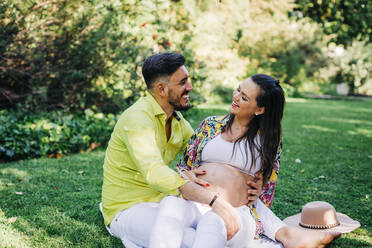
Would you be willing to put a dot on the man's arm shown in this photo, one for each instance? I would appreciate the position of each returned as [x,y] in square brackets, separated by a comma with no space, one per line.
[140,139]
[194,192]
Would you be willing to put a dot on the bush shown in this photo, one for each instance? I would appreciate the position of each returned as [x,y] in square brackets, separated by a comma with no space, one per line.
[352,66]
[53,134]
[74,54]
[259,38]
[288,50]
[224,93]
[219,36]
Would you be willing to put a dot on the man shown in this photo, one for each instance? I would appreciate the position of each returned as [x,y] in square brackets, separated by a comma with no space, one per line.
[146,138]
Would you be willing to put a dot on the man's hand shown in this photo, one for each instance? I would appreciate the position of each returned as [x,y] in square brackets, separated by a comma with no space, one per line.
[229,216]
[255,188]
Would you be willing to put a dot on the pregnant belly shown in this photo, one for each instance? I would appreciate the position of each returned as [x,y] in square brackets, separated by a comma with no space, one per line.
[228,182]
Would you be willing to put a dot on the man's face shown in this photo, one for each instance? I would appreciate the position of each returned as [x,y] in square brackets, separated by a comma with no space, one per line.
[179,87]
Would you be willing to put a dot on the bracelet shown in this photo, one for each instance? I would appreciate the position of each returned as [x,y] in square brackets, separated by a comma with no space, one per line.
[213,200]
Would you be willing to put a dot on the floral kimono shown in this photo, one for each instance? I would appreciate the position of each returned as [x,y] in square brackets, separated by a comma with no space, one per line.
[207,130]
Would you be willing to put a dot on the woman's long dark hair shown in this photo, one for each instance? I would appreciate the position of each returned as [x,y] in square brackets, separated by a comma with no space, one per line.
[268,124]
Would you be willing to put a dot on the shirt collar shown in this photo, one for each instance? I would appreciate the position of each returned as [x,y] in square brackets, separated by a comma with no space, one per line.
[156,108]
[176,115]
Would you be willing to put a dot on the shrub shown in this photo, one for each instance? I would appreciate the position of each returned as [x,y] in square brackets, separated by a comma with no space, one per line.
[224,93]
[288,50]
[259,38]
[352,66]
[53,134]
[74,54]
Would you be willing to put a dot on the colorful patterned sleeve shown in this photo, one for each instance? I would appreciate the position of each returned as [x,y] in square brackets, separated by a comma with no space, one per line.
[267,195]
[185,163]
[189,157]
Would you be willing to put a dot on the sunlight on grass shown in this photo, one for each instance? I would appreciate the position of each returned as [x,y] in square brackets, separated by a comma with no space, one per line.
[366,132]
[358,238]
[15,172]
[49,227]
[349,121]
[289,99]
[369,110]
[319,128]
[10,237]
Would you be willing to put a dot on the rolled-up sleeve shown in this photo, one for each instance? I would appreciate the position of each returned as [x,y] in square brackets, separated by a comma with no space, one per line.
[140,140]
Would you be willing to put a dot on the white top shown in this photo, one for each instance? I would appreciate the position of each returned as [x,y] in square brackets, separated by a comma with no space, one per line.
[219,150]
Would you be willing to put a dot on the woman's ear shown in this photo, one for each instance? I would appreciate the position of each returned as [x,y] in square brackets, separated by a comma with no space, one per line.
[260,110]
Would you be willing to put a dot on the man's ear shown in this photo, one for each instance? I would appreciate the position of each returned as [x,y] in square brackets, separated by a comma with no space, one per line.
[260,110]
[161,88]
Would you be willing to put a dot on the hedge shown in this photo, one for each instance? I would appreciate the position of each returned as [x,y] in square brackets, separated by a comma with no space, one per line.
[52,134]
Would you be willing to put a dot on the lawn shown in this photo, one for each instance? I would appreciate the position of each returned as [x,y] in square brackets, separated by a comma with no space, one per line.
[54,202]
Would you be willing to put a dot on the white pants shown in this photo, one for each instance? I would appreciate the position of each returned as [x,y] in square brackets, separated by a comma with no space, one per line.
[211,231]
[133,226]
[140,225]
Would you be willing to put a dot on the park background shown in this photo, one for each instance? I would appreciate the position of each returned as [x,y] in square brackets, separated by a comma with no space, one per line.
[68,69]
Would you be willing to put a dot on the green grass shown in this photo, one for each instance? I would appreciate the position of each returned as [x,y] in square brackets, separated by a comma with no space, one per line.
[333,140]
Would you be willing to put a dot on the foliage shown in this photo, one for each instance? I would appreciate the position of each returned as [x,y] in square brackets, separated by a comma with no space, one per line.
[291,53]
[53,134]
[353,66]
[59,204]
[346,20]
[224,93]
[219,36]
[51,58]
[350,66]
[75,55]
[268,41]
[266,37]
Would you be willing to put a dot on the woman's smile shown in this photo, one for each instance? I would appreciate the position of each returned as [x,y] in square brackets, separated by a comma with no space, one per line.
[234,105]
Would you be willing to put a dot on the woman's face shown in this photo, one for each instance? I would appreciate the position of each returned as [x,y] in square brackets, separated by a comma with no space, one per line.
[244,103]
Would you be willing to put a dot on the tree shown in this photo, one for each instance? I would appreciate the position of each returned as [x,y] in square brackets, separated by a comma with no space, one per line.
[347,19]
[74,54]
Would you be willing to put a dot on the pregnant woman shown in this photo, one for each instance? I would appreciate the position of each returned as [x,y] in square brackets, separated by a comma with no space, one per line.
[226,152]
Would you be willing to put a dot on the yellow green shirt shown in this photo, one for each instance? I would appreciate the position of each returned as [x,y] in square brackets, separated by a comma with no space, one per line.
[137,157]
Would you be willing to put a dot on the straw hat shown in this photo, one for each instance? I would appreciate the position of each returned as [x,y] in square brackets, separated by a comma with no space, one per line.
[322,216]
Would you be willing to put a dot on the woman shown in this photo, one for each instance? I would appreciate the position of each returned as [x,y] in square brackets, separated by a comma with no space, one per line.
[230,150]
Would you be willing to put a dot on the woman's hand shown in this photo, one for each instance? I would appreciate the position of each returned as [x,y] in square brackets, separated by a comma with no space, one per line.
[193,176]
[255,188]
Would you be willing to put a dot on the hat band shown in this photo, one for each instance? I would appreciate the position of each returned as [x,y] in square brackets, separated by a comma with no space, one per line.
[319,226]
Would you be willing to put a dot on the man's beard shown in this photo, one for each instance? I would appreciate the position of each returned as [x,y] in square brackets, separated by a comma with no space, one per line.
[176,102]
[180,107]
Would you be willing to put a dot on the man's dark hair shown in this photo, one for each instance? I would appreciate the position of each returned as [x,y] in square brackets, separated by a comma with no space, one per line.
[160,65]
